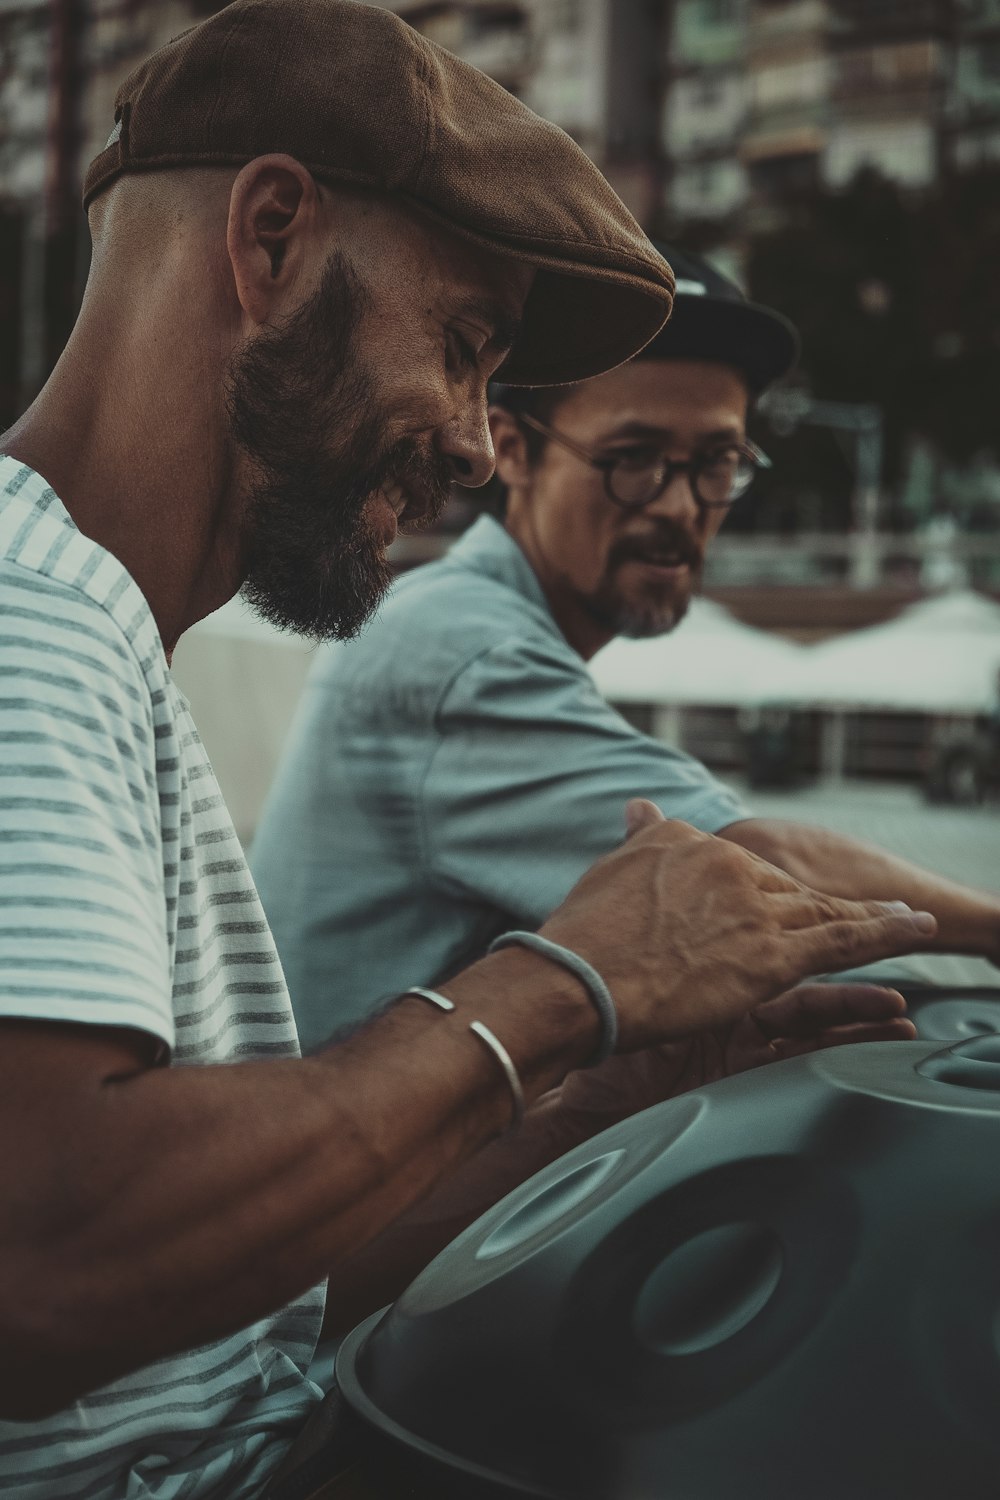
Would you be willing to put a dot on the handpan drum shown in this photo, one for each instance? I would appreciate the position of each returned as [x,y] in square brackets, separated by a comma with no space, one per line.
[785,1285]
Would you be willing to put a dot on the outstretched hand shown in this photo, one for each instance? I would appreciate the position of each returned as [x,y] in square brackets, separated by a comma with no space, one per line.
[691,934]
[804,1019]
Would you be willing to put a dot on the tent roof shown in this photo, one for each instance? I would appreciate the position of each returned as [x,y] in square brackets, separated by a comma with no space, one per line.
[712,658]
[939,656]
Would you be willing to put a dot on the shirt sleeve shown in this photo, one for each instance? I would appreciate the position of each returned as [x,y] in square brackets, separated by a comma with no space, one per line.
[83,932]
[529,779]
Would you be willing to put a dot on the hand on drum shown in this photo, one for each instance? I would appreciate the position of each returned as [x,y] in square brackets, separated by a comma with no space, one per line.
[804,1019]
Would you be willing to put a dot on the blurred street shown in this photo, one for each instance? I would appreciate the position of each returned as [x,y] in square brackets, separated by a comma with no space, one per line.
[963,843]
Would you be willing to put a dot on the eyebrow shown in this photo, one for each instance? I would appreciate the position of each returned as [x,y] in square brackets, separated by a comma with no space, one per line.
[506,327]
[664,434]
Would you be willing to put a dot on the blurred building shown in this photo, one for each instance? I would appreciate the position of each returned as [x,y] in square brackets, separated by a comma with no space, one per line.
[975,96]
[704,108]
[892,65]
[593,67]
[764,97]
[789,77]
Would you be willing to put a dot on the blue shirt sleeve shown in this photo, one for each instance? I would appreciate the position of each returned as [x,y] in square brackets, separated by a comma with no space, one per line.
[528,782]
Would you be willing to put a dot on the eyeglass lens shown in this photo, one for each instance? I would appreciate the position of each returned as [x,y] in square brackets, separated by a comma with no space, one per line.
[717,478]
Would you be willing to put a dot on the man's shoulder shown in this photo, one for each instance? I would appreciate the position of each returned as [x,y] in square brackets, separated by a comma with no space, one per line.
[73,650]
[449,587]
[57,580]
[445,614]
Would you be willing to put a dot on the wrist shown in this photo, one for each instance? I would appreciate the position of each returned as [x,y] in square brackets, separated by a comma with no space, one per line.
[974,927]
[567,958]
[539,1009]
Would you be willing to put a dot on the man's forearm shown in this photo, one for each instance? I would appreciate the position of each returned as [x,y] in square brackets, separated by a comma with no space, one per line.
[367,1281]
[144,1211]
[968,919]
[181,1205]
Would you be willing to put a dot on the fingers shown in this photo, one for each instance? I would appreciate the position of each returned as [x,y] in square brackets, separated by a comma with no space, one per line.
[872,930]
[812,1008]
[898,1030]
[639,814]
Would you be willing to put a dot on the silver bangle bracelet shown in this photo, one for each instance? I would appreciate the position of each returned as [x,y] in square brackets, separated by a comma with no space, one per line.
[493,1044]
[588,976]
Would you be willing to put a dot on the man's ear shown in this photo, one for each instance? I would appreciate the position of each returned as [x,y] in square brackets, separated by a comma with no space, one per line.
[273,216]
[510,448]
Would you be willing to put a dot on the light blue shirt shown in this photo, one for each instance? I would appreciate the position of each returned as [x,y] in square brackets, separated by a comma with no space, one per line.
[450,774]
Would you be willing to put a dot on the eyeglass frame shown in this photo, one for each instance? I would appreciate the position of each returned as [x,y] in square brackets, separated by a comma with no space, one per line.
[672,467]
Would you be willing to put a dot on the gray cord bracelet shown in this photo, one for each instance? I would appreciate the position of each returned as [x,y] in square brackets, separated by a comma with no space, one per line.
[493,1043]
[586,973]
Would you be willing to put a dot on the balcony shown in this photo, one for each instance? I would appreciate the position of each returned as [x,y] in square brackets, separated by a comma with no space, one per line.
[781,140]
[910,68]
[770,22]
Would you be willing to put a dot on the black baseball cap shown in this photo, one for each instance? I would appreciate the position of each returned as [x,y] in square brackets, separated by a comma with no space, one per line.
[712,319]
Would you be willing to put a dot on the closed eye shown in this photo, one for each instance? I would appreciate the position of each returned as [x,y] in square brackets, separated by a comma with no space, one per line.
[461,354]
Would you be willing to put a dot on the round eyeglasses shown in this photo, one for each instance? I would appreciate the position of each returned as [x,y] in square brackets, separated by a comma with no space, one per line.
[638,475]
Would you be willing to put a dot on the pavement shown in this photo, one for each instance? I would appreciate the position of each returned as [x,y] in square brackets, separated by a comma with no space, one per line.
[961,843]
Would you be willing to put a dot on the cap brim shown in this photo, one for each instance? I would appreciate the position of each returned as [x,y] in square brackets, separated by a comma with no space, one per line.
[575,327]
[581,317]
[756,340]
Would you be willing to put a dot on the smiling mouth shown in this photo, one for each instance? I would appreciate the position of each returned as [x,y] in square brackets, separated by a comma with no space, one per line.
[672,561]
[410,508]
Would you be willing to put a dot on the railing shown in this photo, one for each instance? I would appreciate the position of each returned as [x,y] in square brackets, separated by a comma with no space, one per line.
[814,559]
[930,561]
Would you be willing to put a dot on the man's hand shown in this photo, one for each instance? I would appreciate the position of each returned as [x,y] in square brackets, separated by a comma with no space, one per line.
[805,1019]
[691,932]
[968,919]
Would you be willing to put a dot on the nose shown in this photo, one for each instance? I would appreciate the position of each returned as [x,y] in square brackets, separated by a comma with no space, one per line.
[466,444]
[677,500]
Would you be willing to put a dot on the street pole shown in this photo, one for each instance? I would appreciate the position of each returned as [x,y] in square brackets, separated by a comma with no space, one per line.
[790,409]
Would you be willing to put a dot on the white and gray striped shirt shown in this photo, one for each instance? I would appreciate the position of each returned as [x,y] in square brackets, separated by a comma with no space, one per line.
[125,900]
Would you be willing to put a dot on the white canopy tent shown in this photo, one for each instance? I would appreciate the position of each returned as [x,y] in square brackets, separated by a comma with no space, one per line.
[711,658]
[941,656]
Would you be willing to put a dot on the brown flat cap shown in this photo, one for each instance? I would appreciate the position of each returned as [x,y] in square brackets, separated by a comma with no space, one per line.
[362,99]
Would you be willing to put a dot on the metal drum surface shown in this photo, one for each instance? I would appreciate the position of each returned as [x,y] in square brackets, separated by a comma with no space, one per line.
[783,1285]
[952,1015]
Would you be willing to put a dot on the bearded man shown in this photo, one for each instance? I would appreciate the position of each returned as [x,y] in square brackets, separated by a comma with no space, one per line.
[452,773]
[307,264]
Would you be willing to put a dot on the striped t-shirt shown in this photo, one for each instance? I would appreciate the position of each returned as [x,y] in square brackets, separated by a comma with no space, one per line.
[125,900]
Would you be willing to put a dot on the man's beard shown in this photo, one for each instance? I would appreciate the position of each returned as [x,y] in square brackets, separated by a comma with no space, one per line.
[657,609]
[305,409]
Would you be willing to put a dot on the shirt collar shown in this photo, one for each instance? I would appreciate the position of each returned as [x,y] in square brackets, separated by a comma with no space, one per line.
[489,549]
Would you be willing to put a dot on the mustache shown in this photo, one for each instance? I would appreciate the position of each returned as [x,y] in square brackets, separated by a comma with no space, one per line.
[665,537]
